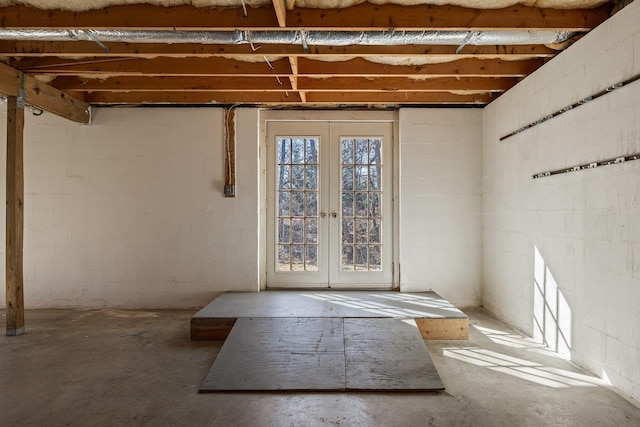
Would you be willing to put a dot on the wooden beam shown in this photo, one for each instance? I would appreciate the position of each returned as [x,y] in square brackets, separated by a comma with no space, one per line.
[270,84]
[270,98]
[397,98]
[359,67]
[432,17]
[400,84]
[229,67]
[154,67]
[184,50]
[43,96]
[281,12]
[172,84]
[140,16]
[192,98]
[15,216]
[294,77]
[359,17]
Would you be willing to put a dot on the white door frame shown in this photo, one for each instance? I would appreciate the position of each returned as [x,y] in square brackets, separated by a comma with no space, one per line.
[330,116]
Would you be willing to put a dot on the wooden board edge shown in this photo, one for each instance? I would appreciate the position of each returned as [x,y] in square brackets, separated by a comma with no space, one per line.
[203,329]
[443,329]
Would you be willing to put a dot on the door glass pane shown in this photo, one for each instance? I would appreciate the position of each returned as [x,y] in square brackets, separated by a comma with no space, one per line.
[311,178]
[347,178]
[311,258]
[283,254]
[297,150]
[375,231]
[297,258]
[347,204]
[361,204]
[375,258]
[312,230]
[297,206]
[297,177]
[297,199]
[375,151]
[298,230]
[362,177]
[284,203]
[347,258]
[284,227]
[375,180]
[361,187]
[311,204]
[361,258]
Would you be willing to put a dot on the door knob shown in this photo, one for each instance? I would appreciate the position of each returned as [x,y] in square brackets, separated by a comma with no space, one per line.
[334,215]
[323,214]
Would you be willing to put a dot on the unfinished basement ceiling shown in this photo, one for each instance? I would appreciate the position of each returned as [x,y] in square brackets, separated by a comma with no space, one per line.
[289,53]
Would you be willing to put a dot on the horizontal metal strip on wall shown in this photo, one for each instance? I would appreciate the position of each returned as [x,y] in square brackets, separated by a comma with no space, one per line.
[592,165]
[572,106]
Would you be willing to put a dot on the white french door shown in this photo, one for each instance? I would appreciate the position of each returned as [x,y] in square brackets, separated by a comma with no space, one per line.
[329,204]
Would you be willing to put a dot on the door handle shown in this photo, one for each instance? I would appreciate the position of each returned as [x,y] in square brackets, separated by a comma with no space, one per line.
[323,214]
[334,215]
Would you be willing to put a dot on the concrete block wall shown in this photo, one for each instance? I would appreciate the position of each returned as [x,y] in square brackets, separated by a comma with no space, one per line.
[129,212]
[579,232]
[440,202]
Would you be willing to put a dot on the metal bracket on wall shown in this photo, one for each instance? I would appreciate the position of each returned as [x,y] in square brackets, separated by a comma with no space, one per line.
[591,165]
[572,106]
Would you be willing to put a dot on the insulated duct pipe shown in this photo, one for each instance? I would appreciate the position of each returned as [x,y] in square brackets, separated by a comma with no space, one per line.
[300,37]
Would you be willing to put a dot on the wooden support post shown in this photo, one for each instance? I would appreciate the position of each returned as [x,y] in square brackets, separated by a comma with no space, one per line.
[230,153]
[15,215]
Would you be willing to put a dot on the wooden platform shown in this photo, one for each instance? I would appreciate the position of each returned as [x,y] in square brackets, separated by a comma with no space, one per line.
[323,354]
[436,318]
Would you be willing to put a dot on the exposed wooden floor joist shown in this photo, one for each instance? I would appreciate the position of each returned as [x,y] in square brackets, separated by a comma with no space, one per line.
[288,74]
[360,17]
[306,67]
[284,98]
[270,84]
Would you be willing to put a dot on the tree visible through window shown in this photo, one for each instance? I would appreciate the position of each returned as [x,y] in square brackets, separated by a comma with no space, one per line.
[297,204]
[361,193]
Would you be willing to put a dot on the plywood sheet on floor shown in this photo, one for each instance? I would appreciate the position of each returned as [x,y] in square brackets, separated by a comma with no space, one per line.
[323,354]
[294,354]
[330,304]
[387,354]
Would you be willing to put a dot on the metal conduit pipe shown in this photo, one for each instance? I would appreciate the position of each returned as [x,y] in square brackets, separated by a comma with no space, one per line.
[320,38]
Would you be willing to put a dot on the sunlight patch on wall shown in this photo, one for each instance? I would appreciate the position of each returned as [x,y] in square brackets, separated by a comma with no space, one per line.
[551,311]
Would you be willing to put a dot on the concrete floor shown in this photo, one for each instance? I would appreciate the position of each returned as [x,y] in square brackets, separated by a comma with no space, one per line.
[113,367]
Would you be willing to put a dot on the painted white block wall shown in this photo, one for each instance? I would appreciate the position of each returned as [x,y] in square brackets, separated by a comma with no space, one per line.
[129,212]
[585,225]
[440,202]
